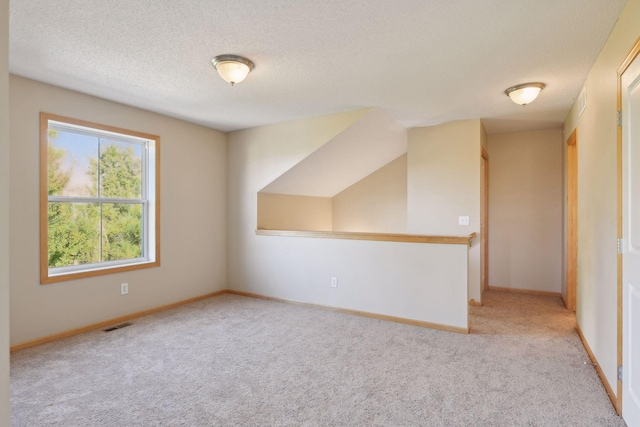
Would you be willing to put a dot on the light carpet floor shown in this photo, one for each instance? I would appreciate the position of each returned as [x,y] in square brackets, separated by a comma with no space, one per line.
[237,361]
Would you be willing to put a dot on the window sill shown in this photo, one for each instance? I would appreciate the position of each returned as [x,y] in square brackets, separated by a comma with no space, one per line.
[46,278]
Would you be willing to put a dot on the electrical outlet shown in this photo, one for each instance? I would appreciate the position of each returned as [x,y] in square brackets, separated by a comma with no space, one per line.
[124,288]
[334,282]
[463,220]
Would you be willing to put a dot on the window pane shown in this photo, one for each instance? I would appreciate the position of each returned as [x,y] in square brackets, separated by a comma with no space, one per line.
[120,169]
[72,162]
[74,234]
[93,171]
[122,231]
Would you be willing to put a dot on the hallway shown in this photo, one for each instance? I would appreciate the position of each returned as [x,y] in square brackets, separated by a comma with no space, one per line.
[514,313]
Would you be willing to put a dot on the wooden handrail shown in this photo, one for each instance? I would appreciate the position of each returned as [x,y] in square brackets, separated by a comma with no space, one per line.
[382,237]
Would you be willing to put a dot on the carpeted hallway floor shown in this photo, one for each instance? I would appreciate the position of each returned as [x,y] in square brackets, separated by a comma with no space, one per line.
[237,361]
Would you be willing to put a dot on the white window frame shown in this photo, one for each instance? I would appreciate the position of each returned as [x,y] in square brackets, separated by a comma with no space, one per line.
[150,199]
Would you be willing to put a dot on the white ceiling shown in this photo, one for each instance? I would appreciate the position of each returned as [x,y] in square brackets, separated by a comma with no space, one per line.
[423,61]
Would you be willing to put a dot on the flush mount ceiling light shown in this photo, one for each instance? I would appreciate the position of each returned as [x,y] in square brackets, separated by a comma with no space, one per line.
[232,68]
[525,93]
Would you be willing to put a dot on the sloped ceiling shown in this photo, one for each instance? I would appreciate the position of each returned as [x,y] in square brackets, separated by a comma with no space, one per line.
[424,61]
[358,151]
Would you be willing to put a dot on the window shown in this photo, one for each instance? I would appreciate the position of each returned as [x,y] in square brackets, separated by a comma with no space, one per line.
[99,199]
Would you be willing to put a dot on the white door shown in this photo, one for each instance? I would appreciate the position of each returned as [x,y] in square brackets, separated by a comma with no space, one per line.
[631,243]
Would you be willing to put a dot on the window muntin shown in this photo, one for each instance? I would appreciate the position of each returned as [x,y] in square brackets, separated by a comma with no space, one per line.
[99,188]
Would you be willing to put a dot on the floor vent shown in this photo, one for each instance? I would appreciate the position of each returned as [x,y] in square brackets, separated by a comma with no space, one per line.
[120,326]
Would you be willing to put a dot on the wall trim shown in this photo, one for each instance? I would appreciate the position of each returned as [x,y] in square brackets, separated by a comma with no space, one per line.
[526,291]
[603,378]
[381,237]
[474,303]
[103,324]
[571,232]
[412,322]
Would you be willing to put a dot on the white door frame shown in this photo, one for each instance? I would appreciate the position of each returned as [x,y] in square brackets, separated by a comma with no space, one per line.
[635,52]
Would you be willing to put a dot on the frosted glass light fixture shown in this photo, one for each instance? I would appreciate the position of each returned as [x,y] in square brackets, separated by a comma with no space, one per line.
[525,93]
[232,68]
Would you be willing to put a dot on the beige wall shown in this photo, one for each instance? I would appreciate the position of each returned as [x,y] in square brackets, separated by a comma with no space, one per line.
[378,203]
[193,217]
[443,182]
[423,282]
[347,157]
[525,203]
[275,149]
[4,212]
[287,212]
[597,194]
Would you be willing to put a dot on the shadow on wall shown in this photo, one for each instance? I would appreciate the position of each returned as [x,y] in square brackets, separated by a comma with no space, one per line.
[357,181]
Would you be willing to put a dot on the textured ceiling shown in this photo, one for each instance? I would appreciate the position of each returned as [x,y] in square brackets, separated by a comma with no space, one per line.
[423,61]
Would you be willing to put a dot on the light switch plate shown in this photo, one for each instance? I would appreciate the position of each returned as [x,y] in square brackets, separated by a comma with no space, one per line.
[463,220]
